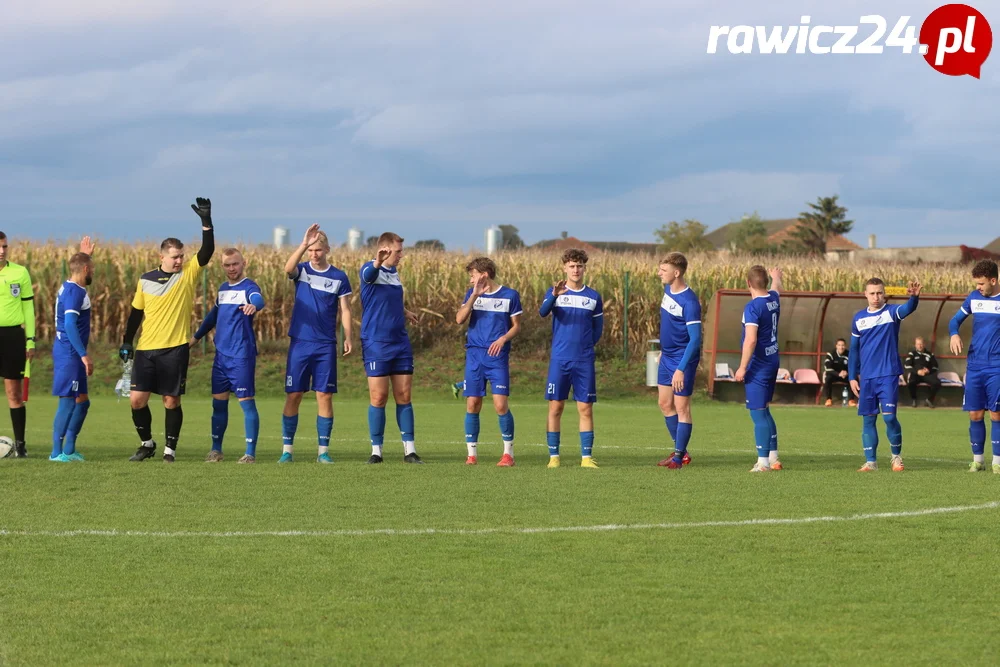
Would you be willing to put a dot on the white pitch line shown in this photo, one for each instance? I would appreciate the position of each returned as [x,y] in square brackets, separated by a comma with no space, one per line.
[405,532]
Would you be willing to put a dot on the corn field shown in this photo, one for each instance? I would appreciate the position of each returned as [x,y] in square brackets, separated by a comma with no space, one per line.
[435,283]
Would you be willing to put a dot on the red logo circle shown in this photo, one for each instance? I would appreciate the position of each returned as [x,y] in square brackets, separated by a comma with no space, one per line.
[956,40]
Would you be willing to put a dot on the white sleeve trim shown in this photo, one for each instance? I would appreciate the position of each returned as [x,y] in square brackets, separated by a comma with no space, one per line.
[964,310]
[599,315]
[517,313]
[693,322]
[750,324]
[73,311]
[856,335]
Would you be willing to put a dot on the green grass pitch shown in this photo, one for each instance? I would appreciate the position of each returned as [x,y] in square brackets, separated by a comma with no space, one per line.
[676,570]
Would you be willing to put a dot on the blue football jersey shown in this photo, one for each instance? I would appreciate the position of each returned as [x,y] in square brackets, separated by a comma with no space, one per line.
[878,336]
[573,317]
[317,302]
[491,317]
[763,312]
[984,349]
[383,317]
[234,335]
[73,298]
[677,311]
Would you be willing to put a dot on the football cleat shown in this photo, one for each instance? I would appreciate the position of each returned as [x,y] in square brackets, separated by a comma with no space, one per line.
[869,466]
[246,458]
[374,458]
[471,461]
[61,458]
[588,462]
[75,456]
[324,458]
[828,403]
[143,453]
[897,463]
[686,459]
[996,468]
[168,458]
[553,462]
[976,466]
[852,403]
[286,457]
[20,450]
[412,458]
[506,461]
[214,456]
[776,465]
[758,467]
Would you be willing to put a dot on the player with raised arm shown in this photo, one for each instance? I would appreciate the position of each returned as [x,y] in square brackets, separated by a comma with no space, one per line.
[70,361]
[982,377]
[322,291]
[680,353]
[494,316]
[577,324]
[163,303]
[874,354]
[759,362]
[17,339]
[385,346]
[235,364]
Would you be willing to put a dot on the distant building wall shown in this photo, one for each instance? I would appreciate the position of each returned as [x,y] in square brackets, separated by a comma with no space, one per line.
[925,254]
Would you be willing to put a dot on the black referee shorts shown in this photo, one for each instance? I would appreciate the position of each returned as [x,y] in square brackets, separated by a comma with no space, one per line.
[162,372]
[12,353]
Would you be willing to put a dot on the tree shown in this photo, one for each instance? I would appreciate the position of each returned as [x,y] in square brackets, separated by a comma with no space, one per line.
[511,239]
[689,237]
[827,218]
[372,241]
[750,236]
[432,244]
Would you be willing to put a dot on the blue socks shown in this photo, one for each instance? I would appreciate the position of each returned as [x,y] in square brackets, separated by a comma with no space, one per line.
[507,427]
[586,443]
[553,441]
[376,424]
[869,437]
[471,427]
[75,424]
[251,424]
[324,427]
[288,427]
[683,437]
[404,418]
[220,420]
[894,432]
[774,430]
[761,433]
[672,422]
[63,413]
[977,436]
[994,436]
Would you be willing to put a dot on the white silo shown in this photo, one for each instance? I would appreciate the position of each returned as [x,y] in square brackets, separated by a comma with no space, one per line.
[494,240]
[354,238]
[280,236]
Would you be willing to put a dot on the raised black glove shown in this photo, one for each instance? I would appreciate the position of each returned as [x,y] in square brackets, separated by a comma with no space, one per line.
[204,210]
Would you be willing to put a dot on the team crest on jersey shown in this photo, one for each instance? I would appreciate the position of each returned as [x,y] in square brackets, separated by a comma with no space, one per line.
[586,302]
[15,290]
[497,304]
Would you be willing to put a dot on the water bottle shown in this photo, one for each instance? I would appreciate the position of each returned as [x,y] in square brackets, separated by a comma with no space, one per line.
[124,385]
[844,403]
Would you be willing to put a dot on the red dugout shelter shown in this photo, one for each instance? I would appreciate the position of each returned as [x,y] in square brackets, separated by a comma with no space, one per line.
[811,322]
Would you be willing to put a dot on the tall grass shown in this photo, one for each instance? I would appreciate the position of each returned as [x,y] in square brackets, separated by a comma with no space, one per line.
[435,283]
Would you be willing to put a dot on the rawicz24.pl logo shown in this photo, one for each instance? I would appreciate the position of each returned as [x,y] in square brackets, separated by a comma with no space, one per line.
[954,39]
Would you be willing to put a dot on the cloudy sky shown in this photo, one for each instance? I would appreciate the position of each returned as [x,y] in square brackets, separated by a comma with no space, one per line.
[438,118]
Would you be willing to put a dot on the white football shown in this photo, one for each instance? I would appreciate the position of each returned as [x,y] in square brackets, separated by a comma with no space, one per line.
[6,447]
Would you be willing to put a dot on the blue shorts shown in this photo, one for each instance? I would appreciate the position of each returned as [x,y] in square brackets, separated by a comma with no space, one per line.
[382,359]
[481,368]
[879,395]
[668,366]
[234,374]
[759,383]
[982,390]
[69,375]
[311,360]
[564,373]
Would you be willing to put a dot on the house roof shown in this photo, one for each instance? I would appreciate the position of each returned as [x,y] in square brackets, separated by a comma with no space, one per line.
[777,231]
[562,245]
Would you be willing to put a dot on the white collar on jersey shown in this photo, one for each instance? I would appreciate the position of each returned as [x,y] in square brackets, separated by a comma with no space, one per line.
[671,292]
[499,287]
[872,312]
[243,279]
[576,291]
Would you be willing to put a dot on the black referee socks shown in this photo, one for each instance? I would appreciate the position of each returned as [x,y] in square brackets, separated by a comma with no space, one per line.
[172,426]
[18,417]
